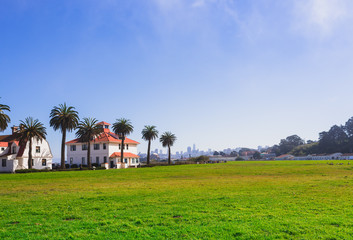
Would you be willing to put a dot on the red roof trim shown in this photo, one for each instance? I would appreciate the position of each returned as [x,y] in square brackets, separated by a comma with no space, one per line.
[103,123]
[106,137]
[126,154]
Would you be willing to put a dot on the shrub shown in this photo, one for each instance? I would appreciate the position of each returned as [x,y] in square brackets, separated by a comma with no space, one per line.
[67,165]
[31,170]
[239,159]
[200,159]
[74,166]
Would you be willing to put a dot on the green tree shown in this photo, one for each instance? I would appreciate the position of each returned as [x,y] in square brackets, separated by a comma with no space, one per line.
[122,127]
[87,129]
[29,129]
[63,118]
[149,133]
[288,144]
[335,140]
[257,155]
[167,139]
[4,118]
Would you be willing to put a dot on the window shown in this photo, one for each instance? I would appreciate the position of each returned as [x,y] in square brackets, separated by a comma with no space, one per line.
[73,148]
[37,149]
[133,161]
[127,146]
[84,147]
[125,160]
[119,146]
[44,162]
[83,160]
[137,160]
[32,162]
[96,146]
[104,146]
[3,163]
[71,160]
[2,149]
[13,150]
[105,159]
[97,160]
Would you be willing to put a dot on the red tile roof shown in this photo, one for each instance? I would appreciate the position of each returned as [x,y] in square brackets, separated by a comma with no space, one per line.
[126,154]
[103,123]
[4,144]
[106,137]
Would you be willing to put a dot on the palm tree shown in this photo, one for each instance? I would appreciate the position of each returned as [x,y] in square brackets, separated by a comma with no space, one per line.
[29,129]
[149,133]
[87,129]
[4,118]
[64,118]
[167,139]
[122,127]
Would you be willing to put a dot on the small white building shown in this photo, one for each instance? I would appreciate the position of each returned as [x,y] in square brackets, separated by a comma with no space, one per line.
[346,156]
[14,156]
[105,150]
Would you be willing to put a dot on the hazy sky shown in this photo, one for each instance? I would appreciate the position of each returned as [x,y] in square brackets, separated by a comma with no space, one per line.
[218,73]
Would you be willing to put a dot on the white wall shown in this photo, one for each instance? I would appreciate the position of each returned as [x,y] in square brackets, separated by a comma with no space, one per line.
[111,147]
[10,167]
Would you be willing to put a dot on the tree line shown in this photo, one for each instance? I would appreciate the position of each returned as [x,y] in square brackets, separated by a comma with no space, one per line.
[66,119]
[339,138]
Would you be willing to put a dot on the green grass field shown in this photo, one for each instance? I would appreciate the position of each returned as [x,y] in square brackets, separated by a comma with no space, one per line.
[242,200]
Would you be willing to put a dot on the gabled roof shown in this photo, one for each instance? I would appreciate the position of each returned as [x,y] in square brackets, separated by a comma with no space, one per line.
[8,138]
[126,154]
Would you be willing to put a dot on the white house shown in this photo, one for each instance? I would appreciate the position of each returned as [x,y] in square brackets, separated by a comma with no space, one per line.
[105,150]
[14,155]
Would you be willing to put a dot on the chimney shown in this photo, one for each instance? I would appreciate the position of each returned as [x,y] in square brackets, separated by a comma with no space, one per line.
[14,129]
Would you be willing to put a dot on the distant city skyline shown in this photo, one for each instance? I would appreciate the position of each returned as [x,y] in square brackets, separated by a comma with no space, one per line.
[214,73]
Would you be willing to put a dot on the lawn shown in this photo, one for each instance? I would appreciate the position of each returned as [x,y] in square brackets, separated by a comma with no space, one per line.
[241,200]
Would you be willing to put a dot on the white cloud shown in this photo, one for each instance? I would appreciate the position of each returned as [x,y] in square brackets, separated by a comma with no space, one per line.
[321,16]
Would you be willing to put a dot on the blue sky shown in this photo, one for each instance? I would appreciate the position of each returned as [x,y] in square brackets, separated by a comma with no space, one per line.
[218,73]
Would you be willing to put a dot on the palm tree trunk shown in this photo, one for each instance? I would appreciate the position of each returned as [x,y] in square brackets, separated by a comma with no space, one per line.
[148,152]
[122,150]
[89,155]
[63,149]
[30,154]
[168,154]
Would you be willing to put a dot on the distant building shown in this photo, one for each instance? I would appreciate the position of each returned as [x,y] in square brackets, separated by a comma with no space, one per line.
[285,157]
[346,156]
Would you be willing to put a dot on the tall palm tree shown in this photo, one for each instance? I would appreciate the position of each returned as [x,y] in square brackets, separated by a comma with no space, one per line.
[31,128]
[149,133]
[4,118]
[64,118]
[167,139]
[122,127]
[87,129]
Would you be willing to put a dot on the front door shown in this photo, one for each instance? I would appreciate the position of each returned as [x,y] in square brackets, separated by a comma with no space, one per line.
[111,164]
